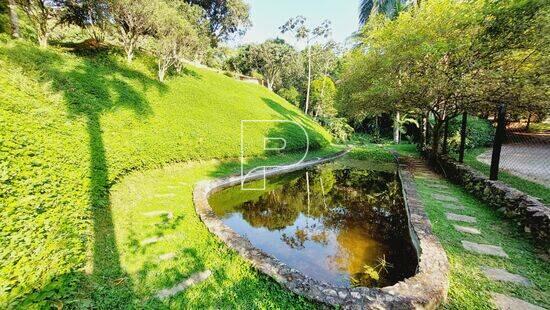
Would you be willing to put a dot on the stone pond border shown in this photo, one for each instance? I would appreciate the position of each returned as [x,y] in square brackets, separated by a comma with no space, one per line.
[426,290]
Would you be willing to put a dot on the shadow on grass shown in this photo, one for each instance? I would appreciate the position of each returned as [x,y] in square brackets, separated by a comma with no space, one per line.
[92,87]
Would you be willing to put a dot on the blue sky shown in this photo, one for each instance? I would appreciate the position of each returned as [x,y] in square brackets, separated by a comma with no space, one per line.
[268,15]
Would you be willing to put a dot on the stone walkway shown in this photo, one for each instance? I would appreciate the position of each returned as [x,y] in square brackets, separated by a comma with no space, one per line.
[442,194]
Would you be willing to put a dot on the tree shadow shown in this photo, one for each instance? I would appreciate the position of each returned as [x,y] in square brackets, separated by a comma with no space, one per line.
[92,87]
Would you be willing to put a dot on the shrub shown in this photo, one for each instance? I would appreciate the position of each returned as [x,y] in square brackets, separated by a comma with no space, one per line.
[291,95]
[338,127]
[480,133]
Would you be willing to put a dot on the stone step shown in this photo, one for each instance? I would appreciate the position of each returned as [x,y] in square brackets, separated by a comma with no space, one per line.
[467,230]
[167,256]
[149,241]
[437,186]
[454,207]
[168,214]
[484,249]
[460,218]
[502,275]
[503,302]
[444,198]
[182,286]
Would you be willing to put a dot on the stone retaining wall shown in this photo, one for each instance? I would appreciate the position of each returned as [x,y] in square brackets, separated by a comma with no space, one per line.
[531,214]
[426,290]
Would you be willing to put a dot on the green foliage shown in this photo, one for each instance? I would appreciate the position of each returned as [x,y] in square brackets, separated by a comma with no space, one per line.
[323,91]
[291,95]
[71,126]
[226,18]
[444,57]
[480,132]
[269,58]
[4,18]
[338,127]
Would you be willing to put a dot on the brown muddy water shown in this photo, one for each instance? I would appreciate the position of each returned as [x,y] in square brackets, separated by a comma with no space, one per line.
[344,226]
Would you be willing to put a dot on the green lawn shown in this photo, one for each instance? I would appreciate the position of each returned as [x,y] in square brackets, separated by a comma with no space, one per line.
[72,125]
[528,187]
[234,284]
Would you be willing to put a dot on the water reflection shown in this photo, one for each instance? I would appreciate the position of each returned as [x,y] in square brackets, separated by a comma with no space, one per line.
[347,227]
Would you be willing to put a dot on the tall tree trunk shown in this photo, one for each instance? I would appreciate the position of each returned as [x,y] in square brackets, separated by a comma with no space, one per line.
[498,141]
[528,121]
[308,76]
[14,20]
[396,131]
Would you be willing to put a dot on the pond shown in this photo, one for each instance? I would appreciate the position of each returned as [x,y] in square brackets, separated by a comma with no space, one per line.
[346,226]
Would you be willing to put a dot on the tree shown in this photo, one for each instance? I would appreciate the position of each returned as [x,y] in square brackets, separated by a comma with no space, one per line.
[175,39]
[133,20]
[90,15]
[291,95]
[227,17]
[389,8]
[14,19]
[323,92]
[43,15]
[418,63]
[270,57]
[309,35]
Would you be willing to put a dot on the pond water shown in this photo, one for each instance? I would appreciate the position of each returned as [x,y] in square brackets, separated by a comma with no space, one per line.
[341,225]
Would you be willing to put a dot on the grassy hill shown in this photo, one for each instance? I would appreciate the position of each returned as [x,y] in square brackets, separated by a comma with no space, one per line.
[72,125]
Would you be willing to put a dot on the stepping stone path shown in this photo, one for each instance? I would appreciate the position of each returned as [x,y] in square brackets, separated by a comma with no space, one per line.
[455,207]
[437,186]
[194,279]
[167,256]
[168,214]
[467,230]
[150,241]
[503,302]
[444,198]
[484,249]
[504,276]
[460,218]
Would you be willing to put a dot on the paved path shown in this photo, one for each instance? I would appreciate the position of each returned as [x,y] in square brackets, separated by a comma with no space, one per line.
[528,161]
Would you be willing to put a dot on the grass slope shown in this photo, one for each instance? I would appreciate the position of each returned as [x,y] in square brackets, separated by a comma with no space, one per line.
[70,126]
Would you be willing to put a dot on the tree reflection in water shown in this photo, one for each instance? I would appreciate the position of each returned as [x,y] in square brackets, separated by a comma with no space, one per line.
[349,229]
